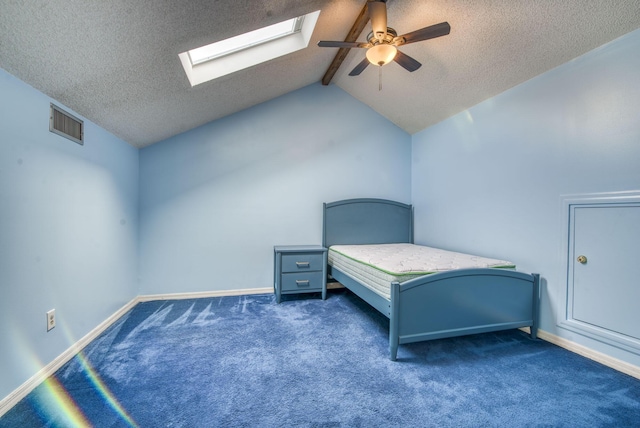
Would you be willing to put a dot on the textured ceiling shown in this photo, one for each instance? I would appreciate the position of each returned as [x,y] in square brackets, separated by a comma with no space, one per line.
[116,62]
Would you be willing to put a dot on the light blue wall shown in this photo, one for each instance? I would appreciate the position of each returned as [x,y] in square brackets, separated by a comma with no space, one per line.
[215,200]
[489,180]
[68,232]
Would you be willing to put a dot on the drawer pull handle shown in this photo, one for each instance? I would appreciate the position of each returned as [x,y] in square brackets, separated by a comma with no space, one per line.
[302,283]
[302,264]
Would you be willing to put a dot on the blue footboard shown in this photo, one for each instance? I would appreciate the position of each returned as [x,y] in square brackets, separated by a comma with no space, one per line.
[462,302]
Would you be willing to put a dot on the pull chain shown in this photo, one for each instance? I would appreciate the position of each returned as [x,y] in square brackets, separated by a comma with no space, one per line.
[380,76]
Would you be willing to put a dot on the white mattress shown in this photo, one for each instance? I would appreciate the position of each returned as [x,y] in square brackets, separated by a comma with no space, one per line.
[377,266]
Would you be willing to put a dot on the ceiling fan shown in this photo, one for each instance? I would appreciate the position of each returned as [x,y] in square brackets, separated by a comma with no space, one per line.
[383,41]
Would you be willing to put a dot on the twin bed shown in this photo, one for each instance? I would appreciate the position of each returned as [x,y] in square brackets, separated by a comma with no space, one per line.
[426,293]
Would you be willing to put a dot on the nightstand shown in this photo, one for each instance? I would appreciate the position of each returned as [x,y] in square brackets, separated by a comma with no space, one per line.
[299,269]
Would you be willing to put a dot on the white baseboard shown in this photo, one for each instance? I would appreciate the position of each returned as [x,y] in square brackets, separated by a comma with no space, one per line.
[204,294]
[23,390]
[599,357]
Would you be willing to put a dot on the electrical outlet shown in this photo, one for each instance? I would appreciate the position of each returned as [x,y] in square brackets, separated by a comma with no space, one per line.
[51,319]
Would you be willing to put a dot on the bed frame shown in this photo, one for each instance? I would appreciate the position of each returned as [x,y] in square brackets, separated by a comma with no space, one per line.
[440,305]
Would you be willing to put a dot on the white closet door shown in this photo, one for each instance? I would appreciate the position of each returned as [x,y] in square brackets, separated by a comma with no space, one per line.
[606,268]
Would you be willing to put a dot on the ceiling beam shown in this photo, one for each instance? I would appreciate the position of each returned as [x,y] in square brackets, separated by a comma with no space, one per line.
[356,30]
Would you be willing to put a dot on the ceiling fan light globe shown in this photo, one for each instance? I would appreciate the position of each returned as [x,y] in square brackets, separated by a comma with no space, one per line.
[381,54]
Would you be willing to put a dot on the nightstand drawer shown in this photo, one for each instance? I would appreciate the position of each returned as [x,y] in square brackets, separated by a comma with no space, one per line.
[302,281]
[302,262]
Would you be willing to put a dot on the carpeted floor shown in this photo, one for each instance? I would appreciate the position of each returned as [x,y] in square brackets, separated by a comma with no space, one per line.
[249,362]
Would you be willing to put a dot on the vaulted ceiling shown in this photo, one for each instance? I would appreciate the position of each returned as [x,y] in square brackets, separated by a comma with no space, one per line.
[116,62]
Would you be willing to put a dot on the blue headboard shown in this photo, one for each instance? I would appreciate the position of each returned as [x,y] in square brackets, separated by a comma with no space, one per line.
[366,221]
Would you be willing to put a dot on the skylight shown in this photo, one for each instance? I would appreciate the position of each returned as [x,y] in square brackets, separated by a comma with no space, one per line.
[245,41]
[245,50]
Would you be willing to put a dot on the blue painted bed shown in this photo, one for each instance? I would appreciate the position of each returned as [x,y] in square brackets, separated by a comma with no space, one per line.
[435,306]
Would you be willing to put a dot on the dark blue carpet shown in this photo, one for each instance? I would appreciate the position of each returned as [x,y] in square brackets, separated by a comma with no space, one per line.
[247,361]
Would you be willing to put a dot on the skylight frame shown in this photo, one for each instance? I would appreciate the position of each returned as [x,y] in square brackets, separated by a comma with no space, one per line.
[250,55]
[245,41]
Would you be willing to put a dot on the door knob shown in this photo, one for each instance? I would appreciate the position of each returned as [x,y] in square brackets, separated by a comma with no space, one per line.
[582,259]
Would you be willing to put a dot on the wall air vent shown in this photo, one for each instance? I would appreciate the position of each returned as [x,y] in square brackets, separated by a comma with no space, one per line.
[66,125]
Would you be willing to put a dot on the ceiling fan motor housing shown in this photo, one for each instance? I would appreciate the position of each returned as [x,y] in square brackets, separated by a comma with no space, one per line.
[388,39]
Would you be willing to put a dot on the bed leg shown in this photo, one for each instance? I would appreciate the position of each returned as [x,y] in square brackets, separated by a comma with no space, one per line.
[394,328]
[536,305]
[393,352]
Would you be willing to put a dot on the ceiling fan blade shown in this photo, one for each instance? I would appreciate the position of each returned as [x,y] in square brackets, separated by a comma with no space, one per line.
[407,62]
[359,68]
[331,44]
[378,15]
[426,33]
